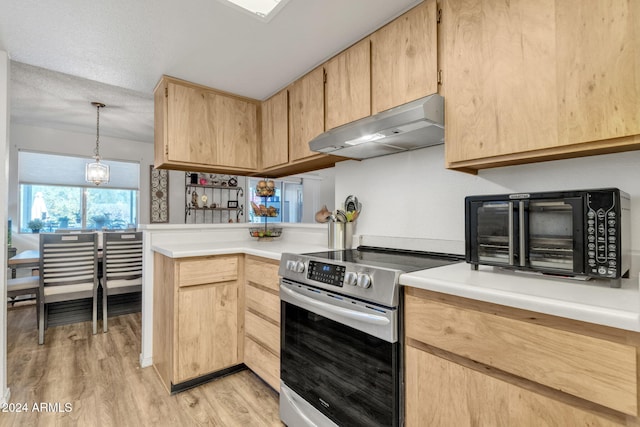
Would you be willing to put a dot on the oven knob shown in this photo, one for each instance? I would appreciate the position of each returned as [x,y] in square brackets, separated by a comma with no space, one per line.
[351,278]
[364,280]
[299,267]
[291,265]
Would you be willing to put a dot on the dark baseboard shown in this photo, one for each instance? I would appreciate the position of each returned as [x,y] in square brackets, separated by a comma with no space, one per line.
[177,388]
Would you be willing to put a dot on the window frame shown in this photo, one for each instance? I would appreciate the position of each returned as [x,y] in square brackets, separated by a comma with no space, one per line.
[23,228]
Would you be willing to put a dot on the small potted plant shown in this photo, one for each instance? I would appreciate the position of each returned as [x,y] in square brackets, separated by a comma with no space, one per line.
[100,221]
[63,222]
[35,225]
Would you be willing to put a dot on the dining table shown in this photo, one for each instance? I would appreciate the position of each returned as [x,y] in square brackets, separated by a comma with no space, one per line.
[25,259]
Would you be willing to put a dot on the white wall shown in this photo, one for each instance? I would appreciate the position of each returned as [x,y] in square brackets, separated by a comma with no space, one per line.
[412,195]
[23,137]
[4,173]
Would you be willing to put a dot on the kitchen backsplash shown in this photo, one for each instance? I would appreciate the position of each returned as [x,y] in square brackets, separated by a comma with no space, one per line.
[413,196]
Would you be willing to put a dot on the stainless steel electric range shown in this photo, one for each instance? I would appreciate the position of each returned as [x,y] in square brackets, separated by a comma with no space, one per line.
[341,335]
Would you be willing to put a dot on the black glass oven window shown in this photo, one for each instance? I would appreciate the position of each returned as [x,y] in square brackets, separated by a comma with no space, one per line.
[493,232]
[551,234]
[346,374]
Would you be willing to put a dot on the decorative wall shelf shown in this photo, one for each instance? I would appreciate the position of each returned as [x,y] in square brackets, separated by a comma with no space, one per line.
[212,199]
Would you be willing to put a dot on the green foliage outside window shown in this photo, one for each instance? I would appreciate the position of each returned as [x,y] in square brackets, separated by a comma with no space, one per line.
[77,207]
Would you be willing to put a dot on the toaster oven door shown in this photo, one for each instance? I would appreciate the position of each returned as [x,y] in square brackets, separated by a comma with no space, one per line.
[493,232]
[553,237]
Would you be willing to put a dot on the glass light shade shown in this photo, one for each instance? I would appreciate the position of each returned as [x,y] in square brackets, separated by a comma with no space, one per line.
[97,173]
[262,9]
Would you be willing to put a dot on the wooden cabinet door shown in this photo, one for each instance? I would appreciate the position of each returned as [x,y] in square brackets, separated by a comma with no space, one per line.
[207,330]
[191,136]
[404,62]
[526,80]
[275,130]
[443,393]
[598,69]
[499,77]
[306,113]
[236,132]
[348,85]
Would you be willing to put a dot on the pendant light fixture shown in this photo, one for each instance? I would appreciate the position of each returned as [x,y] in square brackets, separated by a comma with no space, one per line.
[96,172]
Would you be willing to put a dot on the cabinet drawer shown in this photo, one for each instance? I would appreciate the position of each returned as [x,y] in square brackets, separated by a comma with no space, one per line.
[261,361]
[262,331]
[594,369]
[263,302]
[466,397]
[262,273]
[208,270]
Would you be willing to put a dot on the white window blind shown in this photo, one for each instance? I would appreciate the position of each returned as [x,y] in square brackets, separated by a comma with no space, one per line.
[54,169]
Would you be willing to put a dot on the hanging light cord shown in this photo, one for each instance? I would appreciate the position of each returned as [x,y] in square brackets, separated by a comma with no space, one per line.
[97,150]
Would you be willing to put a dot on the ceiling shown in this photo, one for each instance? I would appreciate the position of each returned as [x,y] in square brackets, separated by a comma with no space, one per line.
[68,53]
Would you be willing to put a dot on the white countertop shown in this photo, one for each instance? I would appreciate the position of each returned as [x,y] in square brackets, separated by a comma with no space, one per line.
[589,301]
[266,249]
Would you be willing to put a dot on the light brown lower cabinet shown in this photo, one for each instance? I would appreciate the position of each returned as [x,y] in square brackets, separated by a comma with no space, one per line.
[444,393]
[470,363]
[262,319]
[198,317]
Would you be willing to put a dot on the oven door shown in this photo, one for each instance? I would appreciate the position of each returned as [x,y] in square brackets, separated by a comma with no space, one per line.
[340,359]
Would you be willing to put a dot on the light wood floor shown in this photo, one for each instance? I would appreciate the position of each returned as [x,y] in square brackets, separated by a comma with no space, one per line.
[100,376]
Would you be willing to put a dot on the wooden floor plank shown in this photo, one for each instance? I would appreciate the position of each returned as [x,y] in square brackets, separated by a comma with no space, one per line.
[100,377]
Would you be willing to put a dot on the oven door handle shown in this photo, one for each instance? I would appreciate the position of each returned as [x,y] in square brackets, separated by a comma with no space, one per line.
[344,312]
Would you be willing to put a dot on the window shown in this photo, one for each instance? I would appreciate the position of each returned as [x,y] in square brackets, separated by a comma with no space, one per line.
[53,190]
[287,202]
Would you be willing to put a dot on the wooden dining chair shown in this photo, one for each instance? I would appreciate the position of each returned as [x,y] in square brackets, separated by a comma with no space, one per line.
[68,271]
[121,266]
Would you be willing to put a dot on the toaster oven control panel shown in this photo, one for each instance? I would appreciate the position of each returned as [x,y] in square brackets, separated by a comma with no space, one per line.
[602,237]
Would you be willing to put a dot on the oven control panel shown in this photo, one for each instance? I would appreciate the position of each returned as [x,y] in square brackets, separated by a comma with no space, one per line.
[331,274]
[376,285]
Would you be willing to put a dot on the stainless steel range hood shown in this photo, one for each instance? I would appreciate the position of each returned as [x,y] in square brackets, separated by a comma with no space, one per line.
[416,124]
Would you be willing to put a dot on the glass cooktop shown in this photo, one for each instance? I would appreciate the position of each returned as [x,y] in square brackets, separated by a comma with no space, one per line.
[395,259]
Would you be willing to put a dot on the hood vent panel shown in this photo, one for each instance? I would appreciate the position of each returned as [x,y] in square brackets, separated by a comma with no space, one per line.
[414,125]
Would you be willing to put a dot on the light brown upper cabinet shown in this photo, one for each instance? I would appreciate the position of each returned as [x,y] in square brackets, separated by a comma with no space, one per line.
[306,113]
[529,81]
[404,60]
[348,85]
[198,128]
[275,130]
